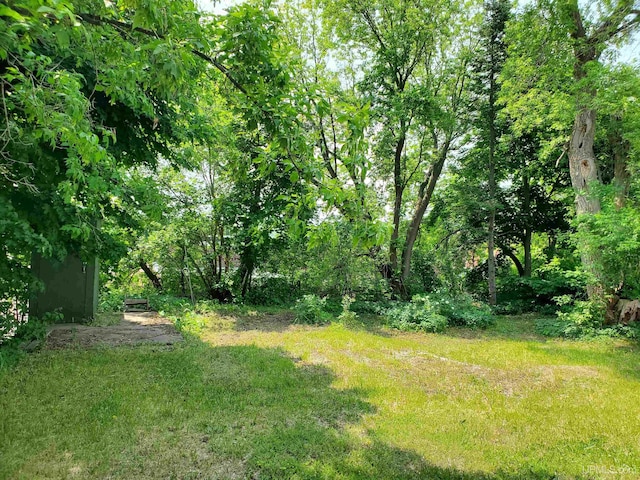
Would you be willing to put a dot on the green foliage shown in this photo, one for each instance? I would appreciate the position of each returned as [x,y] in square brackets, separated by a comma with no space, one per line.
[110,301]
[294,168]
[463,310]
[434,312]
[76,116]
[271,290]
[371,307]
[16,333]
[612,239]
[584,322]
[583,319]
[555,278]
[585,315]
[347,316]
[310,309]
[419,314]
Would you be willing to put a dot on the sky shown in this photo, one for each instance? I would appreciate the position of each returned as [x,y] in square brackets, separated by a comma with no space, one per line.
[218,7]
[629,53]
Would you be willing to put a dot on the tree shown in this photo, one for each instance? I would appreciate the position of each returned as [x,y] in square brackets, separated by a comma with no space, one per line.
[556,57]
[490,57]
[76,116]
[408,101]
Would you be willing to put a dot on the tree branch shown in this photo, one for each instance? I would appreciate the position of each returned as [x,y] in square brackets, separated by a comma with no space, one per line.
[99,21]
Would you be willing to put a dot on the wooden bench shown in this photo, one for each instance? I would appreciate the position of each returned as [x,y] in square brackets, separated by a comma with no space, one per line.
[136,304]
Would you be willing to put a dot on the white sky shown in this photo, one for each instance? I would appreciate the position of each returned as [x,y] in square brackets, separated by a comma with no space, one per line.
[629,53]
[216,6]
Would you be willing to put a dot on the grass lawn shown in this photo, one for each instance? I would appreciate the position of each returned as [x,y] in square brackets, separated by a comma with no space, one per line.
[254,397]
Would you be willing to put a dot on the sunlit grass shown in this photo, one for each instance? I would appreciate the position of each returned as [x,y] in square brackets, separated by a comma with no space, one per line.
[257,397]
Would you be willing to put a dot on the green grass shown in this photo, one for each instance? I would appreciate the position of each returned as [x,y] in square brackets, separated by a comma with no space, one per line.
[255,397]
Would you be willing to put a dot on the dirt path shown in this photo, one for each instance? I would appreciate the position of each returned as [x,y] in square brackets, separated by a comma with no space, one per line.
[134,328]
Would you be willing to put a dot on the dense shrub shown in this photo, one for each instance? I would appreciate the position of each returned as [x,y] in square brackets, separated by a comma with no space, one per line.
[311,309]
[369,307]
[565,329]
[611,238]
[110,301]
[583,319]
[537,293]
[419,314]
[271,290]
[22,332]
[436,311]
[463,310]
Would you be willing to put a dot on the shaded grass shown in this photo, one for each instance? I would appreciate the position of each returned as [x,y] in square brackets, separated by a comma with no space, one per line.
[249,400]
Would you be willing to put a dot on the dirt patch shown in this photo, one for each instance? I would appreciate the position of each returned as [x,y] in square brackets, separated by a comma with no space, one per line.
[266,322]
[134,328]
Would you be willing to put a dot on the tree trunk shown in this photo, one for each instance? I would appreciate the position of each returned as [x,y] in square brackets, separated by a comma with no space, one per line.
[526,244]
[151,275]
[516,261]
[207,284]
[584,172]
[491,249]
[183,284]
[397,205]
[526,209]
[247,272]
[491,259]
[426,192]
[551,246]
[582,161]
[621,177]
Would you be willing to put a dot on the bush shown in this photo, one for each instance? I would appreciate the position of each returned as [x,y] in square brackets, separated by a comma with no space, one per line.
[419,314]
[311,309]
[611,238]
[347,316]
[368,307]
[167,303]
[21,333]
[434,312]
[583,319]
[271,291]
[110,301]
[518,295]
[463,310]
[189,321]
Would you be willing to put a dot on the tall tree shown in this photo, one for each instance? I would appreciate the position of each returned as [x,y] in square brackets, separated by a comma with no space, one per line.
[557,48]
[488,63]
[412,59]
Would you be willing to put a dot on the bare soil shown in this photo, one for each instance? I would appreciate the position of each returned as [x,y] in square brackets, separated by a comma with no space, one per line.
[133,328]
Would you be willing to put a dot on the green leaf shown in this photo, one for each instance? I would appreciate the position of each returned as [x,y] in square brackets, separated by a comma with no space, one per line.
[11,13]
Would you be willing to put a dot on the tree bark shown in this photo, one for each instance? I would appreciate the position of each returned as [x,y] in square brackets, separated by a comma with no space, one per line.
[582,161]
[621,177]
[183,284]
[516,261]
[151,275]
[526,209]
[491,258]
[397,204]
[246,274]
[491,249]
[426,192]
[526,244]
[584,172]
